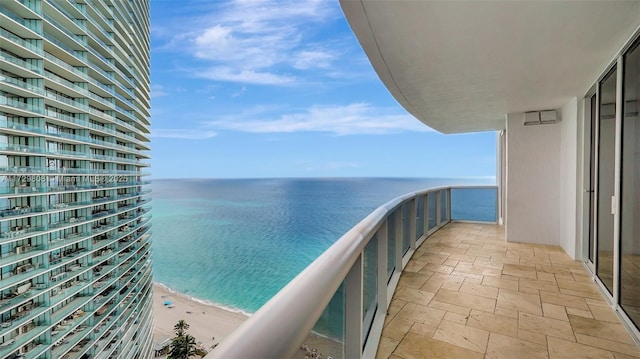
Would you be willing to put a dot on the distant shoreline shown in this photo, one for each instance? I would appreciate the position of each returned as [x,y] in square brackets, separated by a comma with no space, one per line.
[208,323]
[202,301]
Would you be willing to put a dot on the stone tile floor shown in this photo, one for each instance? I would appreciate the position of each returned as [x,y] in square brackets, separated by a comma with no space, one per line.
[467,293]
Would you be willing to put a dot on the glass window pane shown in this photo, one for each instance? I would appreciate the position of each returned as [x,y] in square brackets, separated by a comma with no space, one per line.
[630,190]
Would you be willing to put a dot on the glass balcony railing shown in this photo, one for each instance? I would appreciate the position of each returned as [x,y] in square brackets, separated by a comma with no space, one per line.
[66,100]
[25,253]
[16,342]
[52,39]
[16,61]
[65,65]
[55,78]
[82,185]
[109,145]
[20,41]
[474,204]
[87,78]
[62,10]
[21,299]
[22,84]
[22,211]
[34,129]
[106,275]
[28,24]
[97,39]
[101,99]
[77,171]
[60,295]
[63,29]
[98,12]
[21,274]
[15,103]
[97,230]
[339,302]
[104,73]
[125,100]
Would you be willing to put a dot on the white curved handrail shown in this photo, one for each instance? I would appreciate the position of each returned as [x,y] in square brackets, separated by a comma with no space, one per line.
[280,326]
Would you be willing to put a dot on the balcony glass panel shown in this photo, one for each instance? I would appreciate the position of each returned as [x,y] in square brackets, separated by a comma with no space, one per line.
[391,244]
[419,217]
[433,210]
[369,285]
[444,213]
[327,336]
[406,226]
[474,204]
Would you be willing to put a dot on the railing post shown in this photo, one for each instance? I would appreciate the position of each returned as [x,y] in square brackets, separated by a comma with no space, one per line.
[353,311]
[412,224]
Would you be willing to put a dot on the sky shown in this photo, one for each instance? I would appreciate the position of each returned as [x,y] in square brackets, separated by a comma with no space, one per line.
[268,89]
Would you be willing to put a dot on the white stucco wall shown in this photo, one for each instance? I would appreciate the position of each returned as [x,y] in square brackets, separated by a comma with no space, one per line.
[542,180]
[534,182]
[570,188]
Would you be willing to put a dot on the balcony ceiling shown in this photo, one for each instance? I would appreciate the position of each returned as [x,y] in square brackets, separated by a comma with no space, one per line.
[460,66]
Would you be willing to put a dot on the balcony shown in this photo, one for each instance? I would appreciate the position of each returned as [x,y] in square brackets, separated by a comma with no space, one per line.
[420,277]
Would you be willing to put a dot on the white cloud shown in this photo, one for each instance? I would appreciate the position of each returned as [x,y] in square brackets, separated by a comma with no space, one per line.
[357,118]
[158,91]
[185,134]
[245,76]
[312,59]
[258,42]
[240,92]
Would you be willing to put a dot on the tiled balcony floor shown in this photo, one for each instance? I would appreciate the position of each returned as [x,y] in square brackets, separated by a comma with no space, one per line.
[467,293]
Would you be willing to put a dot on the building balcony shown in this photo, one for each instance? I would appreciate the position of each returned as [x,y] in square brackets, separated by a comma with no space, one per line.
[94,184]
[26,211]
[467,293]
[422,277]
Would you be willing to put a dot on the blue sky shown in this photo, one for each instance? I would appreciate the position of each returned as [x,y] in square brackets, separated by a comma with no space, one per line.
[250,89]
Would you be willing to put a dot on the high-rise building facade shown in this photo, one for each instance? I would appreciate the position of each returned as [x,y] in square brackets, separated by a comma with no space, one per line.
[75,256]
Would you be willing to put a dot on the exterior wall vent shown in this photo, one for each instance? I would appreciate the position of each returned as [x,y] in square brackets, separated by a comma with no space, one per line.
[540,117]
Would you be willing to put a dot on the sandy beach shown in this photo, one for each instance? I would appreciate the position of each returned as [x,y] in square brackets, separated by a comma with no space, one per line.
[205,321]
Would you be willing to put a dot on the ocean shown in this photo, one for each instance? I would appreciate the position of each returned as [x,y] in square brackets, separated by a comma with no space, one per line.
[234,243]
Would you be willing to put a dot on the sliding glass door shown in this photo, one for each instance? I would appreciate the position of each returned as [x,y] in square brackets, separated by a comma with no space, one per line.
[605,182]
[629,279]
[612,128]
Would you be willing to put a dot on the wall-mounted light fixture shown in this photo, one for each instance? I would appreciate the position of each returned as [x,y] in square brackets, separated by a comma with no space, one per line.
[540,117]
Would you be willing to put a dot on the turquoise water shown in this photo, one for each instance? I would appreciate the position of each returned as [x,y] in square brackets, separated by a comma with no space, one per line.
[236,243]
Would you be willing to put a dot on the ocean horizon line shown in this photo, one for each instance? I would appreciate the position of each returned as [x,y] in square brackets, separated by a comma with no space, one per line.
[320,177]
